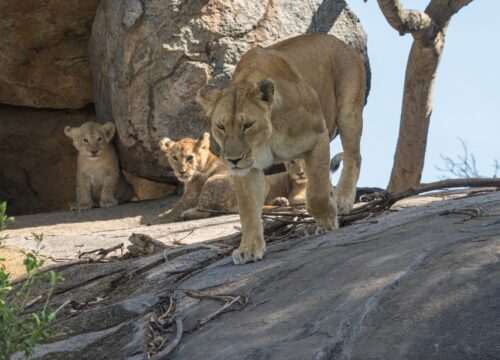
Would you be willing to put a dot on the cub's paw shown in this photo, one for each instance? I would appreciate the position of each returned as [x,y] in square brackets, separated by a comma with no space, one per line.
[81,206]
[108,202]
[193,214]
[344,205]
[280,201]
[243,255]
[167,217]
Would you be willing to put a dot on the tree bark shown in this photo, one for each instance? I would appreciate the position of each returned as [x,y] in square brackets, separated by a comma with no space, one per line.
[428,30]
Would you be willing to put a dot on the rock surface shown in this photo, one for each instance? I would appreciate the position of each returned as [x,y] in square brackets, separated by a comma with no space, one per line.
[37,161]
[414,285]
[149,58]
[44,47]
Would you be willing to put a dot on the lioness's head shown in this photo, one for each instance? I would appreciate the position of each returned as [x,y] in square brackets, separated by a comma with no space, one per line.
[296,170]
[91,138]
[241,123]
[188,157]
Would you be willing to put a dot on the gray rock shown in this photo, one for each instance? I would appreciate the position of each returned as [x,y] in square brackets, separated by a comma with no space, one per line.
[415,285]
[149,59]
[44,46]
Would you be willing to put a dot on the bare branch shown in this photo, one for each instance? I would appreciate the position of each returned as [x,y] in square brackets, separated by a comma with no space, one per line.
[405,21]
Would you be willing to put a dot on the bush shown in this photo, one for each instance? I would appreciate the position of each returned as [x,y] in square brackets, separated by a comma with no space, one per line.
[20,331]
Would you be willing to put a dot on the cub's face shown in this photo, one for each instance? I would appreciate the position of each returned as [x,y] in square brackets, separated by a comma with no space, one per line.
[187,157]
[296,170]
[91,138]
[241,124]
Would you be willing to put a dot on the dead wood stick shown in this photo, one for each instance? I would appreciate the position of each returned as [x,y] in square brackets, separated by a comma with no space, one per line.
[102,252]
[59,266]
[214,314]
[178,336]
[200,295]
[443,184]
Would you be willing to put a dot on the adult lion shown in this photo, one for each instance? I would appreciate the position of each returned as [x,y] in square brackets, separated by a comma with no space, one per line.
[284,102]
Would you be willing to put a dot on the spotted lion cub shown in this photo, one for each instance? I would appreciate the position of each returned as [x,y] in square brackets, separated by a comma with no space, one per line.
[98,176]
[193,164]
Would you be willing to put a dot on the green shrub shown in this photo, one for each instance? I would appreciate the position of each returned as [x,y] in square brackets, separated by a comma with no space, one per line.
[20,331]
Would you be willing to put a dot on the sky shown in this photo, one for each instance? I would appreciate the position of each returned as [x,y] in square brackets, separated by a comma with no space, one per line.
[466,95]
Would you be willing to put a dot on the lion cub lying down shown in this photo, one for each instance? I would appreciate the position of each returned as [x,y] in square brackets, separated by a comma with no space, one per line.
[98,176]
[208,186]
[193,164]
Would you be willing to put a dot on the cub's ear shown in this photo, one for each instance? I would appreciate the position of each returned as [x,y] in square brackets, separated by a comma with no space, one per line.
[70,132]
[266,90]
[204,141]
[109,130]
[207,97]
[166,144]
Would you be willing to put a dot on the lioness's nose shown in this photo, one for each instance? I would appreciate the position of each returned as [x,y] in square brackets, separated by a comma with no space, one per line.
[94,152]
[300,173]
[182,172]
[235,161]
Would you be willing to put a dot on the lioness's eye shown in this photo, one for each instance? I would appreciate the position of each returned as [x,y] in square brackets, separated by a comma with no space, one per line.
[99,140]
[85,141]
[292,162]
[175,158]
[247,125]
[220,127]
[189,158]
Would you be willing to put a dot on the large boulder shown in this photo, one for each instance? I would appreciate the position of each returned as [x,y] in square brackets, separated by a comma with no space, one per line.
[419,283]
[44,47]
[149,58]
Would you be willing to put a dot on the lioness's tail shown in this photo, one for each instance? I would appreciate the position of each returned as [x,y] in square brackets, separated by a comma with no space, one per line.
[335,162]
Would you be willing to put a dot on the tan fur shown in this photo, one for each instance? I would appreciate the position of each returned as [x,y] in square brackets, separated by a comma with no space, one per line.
[193,164]
[283,189]
[288,188]
[285,102]
[98,175]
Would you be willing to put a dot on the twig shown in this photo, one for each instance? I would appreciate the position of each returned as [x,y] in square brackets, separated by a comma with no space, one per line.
[178,336]
[102,252]
[213,315]
[62,305]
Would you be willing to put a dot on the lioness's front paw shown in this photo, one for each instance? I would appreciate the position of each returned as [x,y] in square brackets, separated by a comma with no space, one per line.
[81,206]
[344,205]
[325,226]
[280,201]
[243,255]
[108,202]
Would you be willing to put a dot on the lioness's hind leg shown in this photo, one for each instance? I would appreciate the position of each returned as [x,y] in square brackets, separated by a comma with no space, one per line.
[350,127]
[319,203]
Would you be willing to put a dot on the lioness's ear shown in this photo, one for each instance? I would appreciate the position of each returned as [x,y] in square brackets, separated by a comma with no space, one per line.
[207,98]
[204,141]
[266,88]
[109,130]
[70,131]
[166,144]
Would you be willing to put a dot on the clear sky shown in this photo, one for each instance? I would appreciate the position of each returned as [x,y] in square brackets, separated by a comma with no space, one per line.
[466,96]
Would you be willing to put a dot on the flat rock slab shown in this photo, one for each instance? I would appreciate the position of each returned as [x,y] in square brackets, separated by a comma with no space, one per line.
[66,234]
[414,285]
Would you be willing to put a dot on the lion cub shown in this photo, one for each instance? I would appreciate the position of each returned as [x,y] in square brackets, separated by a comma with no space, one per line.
[218,192]
[193,164]
[98,176]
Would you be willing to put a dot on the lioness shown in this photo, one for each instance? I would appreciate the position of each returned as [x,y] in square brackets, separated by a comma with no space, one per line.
[98,176]
[284,102]
[193,163]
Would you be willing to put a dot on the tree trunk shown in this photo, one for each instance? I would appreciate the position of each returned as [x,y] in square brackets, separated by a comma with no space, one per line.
[428,31]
